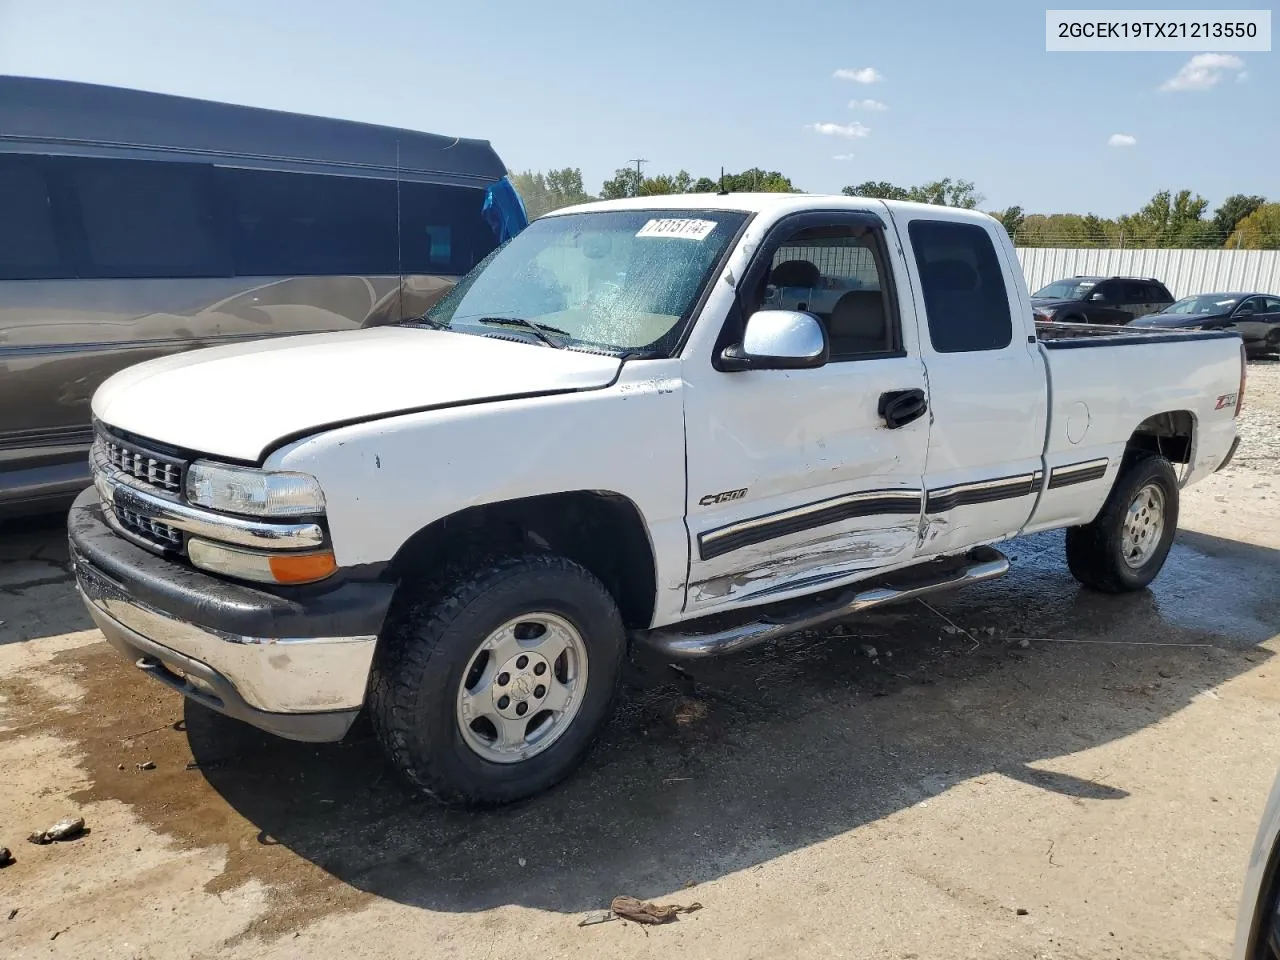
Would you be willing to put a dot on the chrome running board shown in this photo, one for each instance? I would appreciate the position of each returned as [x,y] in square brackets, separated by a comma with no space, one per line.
[688,641]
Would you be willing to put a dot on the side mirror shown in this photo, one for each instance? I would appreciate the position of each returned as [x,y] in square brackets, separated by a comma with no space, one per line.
[779,340]
[1097,298]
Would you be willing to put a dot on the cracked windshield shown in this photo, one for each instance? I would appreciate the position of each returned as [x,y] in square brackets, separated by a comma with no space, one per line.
[625,280]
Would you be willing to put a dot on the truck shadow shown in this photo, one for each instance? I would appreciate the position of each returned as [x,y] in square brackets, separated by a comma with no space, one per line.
[726,764]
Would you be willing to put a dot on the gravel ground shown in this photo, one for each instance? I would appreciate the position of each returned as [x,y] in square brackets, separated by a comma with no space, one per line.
[1260,425]
[1021,770]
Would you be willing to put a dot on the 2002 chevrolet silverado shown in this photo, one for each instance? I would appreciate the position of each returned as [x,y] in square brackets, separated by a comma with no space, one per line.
[698,422]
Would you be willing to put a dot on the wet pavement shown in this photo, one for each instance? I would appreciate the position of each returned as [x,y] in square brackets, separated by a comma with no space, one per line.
[1131,737]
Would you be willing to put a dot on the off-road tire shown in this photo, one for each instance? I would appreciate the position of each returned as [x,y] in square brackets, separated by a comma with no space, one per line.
[1094,553]
[431,636]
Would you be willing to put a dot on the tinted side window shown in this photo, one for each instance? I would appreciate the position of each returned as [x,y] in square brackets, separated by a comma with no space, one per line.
[1134,292]
[1110,292]
[28,242]
[145,218]
[309,224]
[441,229]
[1272,304]
[1159,293]
[965,298]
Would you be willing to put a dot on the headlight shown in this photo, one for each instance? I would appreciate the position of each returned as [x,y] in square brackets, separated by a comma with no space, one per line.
[258,493]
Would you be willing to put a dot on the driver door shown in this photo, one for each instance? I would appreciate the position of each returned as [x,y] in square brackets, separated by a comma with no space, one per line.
[795,479]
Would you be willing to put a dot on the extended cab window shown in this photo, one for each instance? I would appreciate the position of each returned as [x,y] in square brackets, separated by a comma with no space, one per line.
[835,272]
[965,298]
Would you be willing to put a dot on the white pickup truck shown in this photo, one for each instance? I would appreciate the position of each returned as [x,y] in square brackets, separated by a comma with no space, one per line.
[644,420]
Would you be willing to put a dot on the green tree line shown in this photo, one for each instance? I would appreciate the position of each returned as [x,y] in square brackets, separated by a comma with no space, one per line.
[1169,219]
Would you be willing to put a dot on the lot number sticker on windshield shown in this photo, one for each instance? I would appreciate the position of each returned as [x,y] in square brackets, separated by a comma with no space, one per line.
[679,228]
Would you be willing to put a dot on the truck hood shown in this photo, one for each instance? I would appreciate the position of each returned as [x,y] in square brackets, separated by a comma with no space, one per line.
[238,401]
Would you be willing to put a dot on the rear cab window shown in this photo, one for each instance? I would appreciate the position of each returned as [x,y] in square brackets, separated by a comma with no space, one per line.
[965,298]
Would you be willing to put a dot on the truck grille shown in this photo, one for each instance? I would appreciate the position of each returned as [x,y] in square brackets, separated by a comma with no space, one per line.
[153,531]
[149,470]
[154,469]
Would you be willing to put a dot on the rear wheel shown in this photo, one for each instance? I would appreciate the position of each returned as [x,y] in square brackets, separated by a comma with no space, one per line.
[493,687]
[1125,546]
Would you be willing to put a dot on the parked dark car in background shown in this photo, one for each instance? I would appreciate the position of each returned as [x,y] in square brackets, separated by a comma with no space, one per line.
[1255,315]
[1104,300]
[1258,320]
[138,224]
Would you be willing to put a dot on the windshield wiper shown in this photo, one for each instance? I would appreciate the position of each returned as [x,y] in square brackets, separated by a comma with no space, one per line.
[540,330]
[424,321]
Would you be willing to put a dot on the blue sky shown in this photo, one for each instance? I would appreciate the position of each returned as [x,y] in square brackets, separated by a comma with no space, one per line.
[969,88]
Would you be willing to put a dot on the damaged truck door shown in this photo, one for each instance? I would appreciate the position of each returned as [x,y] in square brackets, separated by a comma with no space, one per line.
[988,384]
[800,472]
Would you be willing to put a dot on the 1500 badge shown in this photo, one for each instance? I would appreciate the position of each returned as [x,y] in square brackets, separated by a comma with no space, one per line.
[713,498]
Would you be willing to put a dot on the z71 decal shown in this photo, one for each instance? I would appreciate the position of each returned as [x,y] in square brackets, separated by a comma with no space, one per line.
[714,498]
[1226,400]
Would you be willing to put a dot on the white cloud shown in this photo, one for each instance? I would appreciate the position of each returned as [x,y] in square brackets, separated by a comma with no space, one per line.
[842,156]
[1203,71]
[1122,140]
[867,105]
[860,75]
[1242,76]
[849,130]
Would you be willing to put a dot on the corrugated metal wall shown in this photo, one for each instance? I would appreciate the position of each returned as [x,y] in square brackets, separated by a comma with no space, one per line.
[1184,272]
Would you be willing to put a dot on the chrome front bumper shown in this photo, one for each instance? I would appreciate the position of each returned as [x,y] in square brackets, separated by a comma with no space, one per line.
[275,674]
[295,664]
[303,688]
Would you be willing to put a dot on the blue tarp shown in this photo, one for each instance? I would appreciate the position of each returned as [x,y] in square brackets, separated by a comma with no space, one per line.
[504,210]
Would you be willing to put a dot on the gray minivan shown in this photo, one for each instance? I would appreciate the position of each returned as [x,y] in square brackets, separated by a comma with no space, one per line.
[136,224]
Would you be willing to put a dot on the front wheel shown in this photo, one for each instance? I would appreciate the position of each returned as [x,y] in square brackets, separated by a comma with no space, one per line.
[494,686]
[1125,546]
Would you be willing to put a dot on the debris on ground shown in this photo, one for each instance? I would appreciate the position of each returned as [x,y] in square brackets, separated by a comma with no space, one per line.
[13,913]
[870,651]
[1024,643]
[642,911]
[1021,911]
[146,765]
[687,711]
[66,829]
[6,857]
[600,916]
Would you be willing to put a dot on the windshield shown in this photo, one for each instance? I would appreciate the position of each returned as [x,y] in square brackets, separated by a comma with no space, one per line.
[624,280]
[1066,290]
[1204,304]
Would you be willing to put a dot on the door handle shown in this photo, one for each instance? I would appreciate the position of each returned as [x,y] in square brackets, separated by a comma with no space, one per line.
[900,407]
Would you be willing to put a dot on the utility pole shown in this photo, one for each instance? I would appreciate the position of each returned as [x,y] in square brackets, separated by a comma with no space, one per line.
[639,177]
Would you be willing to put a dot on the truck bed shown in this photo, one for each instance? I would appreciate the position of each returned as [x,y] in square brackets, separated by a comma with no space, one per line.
[1066,336]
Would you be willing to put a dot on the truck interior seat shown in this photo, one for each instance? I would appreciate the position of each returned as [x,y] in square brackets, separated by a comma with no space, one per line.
[858,324]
